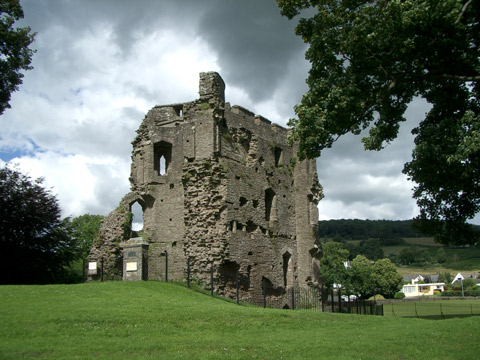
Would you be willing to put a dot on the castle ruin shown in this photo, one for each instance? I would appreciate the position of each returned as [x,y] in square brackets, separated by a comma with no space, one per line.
[219,188]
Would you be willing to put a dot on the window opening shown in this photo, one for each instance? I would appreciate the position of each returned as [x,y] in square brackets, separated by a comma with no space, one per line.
[162,157]
[278,157]
[270,205]
[178,110]
[286,262]
[137,221]
[162,164]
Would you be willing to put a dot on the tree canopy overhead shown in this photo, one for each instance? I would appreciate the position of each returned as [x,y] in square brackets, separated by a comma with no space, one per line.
[15,54]
[369,59]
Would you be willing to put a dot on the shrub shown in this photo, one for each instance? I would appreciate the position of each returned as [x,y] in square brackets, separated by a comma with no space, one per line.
[399,295]
[459,293]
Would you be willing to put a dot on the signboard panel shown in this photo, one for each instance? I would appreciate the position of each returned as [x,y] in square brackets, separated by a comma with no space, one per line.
[132,266]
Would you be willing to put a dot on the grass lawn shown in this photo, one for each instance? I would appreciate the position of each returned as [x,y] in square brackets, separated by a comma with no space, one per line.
[433,308]
[152,320]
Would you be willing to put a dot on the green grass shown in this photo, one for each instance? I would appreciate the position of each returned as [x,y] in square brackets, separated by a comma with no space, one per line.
[154,320]
[433,309]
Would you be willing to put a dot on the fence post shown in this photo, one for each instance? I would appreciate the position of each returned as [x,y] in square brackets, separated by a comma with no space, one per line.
[293,298]
[323,299]
[237,285]
[339,300]
[264,290]
[101,267]
[211,280]
[333,301]
[188,273]
[166,266]
[84,277]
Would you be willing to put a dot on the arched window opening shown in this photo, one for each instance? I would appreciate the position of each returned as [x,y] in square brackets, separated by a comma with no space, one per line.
[137,222]
[270,205]
[162,157]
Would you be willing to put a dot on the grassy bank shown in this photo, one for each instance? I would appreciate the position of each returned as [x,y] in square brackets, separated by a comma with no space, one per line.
[150,320]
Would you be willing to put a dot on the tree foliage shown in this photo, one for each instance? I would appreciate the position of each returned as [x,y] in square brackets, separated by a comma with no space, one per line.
[15,54]
[37,245]
[361,276]
[355,229]
[369,59]
[386,280]
[332,264]
[85,229]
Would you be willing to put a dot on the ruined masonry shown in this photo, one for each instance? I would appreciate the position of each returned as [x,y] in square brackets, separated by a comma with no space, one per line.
[218,187]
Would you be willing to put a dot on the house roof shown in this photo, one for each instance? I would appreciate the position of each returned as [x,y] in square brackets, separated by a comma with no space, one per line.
[411,277]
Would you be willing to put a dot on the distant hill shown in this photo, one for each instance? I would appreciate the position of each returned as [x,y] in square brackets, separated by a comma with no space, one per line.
[367,229]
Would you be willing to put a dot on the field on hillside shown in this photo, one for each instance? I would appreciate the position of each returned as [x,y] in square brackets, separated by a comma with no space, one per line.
[456,259]
[145,320]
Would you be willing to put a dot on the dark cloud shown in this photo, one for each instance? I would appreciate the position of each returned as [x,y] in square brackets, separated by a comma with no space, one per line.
[254,43]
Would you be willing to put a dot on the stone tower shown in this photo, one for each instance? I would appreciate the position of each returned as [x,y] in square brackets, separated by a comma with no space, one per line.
[218,187]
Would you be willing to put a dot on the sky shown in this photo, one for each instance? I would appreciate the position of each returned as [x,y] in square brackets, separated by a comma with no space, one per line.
[101,65]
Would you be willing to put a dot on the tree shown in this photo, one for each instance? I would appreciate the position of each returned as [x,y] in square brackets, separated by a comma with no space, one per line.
[332,264]
[361,276]
[441,256]
[407,256]
[85,229]
[15,54]
[369,59]
[37,245]
[445,277]
[371,248]
[386,280]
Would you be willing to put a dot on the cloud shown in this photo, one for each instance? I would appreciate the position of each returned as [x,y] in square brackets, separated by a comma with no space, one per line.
[254,44]
[77,180]
[102,64]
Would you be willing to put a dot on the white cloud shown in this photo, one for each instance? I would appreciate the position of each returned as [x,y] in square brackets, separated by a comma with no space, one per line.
[79,181]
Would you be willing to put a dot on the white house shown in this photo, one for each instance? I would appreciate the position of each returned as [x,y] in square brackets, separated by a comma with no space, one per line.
[416,289]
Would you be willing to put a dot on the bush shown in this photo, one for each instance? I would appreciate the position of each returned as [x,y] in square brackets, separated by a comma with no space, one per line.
[459,293]
[399,295]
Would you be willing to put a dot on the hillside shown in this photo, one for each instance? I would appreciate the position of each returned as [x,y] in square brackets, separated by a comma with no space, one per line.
[399,241]
[155,320]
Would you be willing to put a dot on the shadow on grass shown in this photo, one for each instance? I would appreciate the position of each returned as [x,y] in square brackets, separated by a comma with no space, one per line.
[440,317]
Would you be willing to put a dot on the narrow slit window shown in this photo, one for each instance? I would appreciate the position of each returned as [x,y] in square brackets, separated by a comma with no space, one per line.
[286,266]
[278,157]
[162,165]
